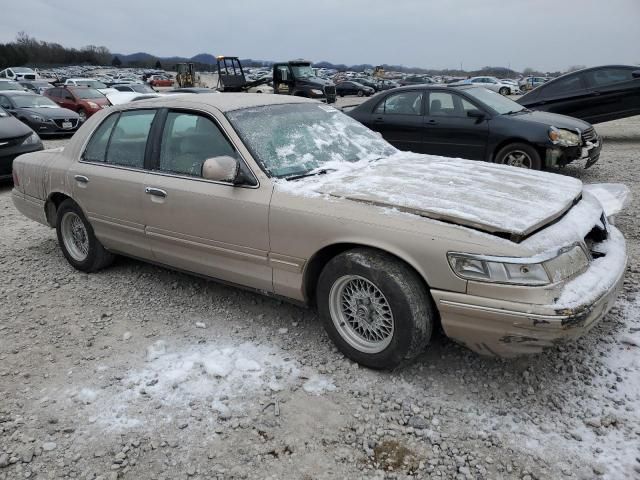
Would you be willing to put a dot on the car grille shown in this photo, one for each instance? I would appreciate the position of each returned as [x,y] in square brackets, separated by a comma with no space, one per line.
[589,135]
[330,90]
[60,121]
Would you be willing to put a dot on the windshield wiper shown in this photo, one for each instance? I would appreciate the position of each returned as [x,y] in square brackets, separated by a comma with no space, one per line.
[322,171]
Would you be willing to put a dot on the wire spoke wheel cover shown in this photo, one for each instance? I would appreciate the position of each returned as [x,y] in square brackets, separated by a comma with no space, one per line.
[75,236]
[361,314]
[518,158]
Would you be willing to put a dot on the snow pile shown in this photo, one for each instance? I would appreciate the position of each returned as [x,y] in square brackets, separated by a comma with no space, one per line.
[479,194]
[601,275]
[226,380]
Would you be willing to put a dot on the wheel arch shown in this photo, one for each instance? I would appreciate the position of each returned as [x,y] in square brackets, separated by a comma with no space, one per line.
[503,143]
[51,206]
[317,262]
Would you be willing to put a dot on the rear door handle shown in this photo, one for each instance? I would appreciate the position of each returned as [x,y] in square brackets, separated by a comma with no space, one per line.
[432,122]
[156,192]
[596,93]
[378,120]
[81,179]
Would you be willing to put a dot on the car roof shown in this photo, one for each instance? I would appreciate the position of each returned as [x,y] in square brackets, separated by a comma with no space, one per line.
[225,102]
[18,92]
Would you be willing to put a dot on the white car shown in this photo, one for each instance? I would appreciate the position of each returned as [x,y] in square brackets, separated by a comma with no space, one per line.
[18,74]
[119,98]
[91,83]
[492,83]
[261,89]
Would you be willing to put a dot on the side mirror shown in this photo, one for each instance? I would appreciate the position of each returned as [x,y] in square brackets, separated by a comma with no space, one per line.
[635,74]
[221,169]
[476,114]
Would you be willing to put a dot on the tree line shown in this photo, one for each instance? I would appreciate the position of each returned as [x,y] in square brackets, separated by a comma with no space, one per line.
[28,51]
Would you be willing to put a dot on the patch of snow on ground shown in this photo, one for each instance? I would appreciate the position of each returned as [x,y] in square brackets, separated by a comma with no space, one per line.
[227,379]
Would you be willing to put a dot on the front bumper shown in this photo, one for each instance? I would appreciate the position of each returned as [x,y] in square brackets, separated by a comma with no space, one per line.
[561,156]
[508,329]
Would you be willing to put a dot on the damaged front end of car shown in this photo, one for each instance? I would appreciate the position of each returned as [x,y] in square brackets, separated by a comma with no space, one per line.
[522,306]
[570,145]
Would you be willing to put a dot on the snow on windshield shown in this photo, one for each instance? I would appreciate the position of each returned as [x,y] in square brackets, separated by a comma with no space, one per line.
[294,139]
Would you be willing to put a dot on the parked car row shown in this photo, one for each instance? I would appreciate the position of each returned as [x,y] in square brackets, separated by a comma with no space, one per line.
[308,204]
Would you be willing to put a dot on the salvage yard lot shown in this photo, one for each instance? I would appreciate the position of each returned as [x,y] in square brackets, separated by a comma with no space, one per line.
[141,372]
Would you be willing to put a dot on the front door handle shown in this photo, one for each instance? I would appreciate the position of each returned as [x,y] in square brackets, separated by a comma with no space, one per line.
[432,122]
[156,192]
[81,179]
[378,120]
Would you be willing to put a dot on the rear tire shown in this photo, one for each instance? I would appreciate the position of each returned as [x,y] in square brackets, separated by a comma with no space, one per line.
[77,241]
[375,308]
[519,155]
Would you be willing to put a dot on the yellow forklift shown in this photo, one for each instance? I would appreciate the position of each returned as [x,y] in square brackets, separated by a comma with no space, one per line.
[186,76]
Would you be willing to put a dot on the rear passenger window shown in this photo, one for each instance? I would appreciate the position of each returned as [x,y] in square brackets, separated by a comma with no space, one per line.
[609,76]
[405,103]
[97,147]
[188,140]
[129,138]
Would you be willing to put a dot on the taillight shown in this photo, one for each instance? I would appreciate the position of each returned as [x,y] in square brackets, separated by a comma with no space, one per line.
[16,182]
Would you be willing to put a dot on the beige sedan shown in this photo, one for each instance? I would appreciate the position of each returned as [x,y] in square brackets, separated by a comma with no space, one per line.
[292,198]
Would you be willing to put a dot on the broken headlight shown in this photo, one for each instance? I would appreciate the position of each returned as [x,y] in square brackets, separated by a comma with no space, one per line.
[534,271]
[564,138]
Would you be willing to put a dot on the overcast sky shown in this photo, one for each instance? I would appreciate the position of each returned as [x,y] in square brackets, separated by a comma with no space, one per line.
[544,34]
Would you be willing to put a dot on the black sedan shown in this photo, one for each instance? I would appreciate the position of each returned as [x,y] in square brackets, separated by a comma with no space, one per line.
[595,95]
[476,123]
[353,88]
[15,139]
[40,113]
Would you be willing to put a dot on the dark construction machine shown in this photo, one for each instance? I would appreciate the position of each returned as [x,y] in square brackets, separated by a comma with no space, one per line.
[186,75]
[291,78]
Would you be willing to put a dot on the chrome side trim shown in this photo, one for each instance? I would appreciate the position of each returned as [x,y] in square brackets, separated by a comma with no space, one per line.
[512,313]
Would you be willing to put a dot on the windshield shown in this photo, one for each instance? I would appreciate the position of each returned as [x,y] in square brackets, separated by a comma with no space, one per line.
[91,83]
[302,71]
[22,70]
[86,93]
[10,86]
[33,101]
[496,102]
[295,139]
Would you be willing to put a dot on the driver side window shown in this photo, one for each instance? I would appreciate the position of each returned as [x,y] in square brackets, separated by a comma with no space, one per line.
[188,140]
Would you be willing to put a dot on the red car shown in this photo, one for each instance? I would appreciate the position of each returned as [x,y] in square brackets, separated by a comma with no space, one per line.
[159,81]
[83,100]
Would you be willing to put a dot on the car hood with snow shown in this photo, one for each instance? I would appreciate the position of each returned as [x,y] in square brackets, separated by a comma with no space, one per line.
[498,199]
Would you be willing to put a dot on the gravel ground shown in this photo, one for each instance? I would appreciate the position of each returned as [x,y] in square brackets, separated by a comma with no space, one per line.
[140,372]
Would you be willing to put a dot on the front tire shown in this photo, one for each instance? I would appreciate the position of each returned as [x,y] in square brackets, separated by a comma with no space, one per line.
[504,91]
[77,241]
[360,93]
[375,308]
[519,155]
[83,115]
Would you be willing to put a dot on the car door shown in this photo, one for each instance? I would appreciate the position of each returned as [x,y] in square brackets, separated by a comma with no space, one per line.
[108,181]
[614,93]
[399,118]
[215,229]
[450,131]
